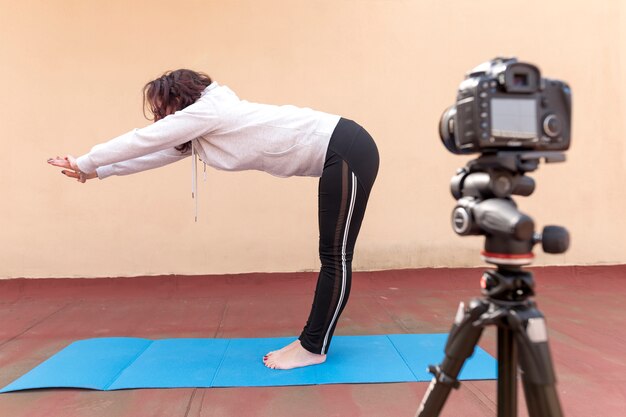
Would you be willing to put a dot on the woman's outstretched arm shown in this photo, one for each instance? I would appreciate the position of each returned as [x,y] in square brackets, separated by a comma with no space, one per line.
[131,166]
[176,129]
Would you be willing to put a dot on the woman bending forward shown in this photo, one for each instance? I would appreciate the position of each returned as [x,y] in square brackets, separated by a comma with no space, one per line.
[195,116]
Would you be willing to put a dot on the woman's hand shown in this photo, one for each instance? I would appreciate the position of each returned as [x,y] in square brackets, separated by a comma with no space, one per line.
[72,170]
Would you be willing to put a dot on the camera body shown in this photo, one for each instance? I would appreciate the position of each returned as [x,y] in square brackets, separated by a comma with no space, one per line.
[504,104]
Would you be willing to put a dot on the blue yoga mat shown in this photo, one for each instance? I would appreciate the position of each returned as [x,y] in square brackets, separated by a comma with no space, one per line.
[123,362]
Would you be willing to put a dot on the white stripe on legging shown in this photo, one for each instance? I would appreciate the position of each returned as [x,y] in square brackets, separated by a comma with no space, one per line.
[344,273]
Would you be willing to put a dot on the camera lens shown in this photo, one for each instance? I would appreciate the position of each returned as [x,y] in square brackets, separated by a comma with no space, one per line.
[446,129]
[552,126]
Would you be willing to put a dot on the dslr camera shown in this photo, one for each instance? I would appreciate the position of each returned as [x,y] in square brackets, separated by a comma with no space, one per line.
[505,105]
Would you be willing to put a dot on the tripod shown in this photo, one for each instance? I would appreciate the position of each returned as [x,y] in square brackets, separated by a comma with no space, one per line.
[521,334]
[484,207]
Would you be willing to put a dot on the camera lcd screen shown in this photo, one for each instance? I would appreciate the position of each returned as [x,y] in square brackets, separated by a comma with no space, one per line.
[514,118]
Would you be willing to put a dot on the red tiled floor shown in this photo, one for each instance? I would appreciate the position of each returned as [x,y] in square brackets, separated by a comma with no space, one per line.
[585,308]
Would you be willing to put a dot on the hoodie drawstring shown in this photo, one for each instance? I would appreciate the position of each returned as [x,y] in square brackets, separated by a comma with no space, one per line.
[194,179]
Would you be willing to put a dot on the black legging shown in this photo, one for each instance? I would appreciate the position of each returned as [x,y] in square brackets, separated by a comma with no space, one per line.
[349,172]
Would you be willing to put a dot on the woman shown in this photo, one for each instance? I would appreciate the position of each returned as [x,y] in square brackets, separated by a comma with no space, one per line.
[195,116]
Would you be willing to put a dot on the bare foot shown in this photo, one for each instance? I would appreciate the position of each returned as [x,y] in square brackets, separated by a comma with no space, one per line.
[292,356]
[286,348]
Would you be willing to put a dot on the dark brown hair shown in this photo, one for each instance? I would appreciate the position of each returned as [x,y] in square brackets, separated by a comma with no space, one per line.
[173,91]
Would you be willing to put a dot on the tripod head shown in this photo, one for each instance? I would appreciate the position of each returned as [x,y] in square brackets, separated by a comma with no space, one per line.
[484,189]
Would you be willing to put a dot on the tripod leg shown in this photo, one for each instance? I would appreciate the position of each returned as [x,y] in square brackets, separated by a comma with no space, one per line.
[538,377]
[507,373]
[462,339]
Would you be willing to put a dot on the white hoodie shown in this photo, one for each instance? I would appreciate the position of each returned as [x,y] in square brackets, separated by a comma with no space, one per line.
[227,133]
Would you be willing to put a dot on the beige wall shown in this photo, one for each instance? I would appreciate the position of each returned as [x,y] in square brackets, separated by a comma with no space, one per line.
[71,75]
